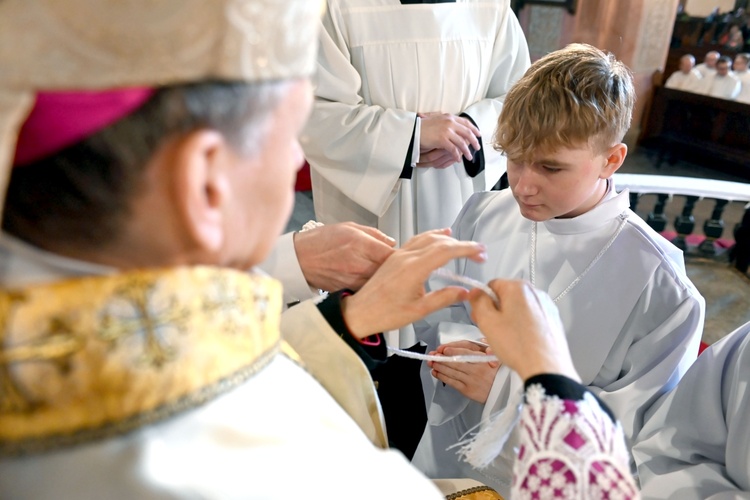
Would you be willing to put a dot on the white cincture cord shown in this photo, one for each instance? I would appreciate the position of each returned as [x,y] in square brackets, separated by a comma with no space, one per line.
[465,358]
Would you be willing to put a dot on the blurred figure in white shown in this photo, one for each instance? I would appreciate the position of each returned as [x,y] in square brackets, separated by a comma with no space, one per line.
[687,78]
[742,73]
[708,66]
[723,85]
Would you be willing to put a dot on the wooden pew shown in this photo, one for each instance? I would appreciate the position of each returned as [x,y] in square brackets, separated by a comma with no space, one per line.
[675,53]
[682,123]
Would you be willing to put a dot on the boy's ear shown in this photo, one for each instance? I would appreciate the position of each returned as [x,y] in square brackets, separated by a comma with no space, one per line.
[615,156]
[202,188]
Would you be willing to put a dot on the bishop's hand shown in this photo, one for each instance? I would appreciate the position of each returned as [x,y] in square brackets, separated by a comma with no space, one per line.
[524,330]
[395,296]
[344,255]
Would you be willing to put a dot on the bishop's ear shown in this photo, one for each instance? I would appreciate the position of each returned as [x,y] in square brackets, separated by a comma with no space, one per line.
[202,188]
[615,156]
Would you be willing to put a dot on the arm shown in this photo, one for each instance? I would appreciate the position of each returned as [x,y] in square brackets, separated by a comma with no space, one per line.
[694,443]
[656,347]
[393,297]
[526,333]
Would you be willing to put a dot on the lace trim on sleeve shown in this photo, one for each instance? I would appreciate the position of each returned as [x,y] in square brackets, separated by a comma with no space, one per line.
[570,449]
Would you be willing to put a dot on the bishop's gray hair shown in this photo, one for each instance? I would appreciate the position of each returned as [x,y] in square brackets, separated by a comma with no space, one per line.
[80,197]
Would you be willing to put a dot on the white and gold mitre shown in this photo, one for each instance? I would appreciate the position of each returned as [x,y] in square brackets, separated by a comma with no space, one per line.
[101,44]
[78,44]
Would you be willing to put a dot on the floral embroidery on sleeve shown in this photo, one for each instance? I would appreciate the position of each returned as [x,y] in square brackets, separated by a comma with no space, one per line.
[570,449]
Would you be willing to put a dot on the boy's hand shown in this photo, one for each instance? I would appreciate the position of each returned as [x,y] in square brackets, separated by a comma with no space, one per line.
[525,331]
[473,380]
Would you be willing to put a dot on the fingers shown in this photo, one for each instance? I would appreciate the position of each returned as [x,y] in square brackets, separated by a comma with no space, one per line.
[436,158]
[461,138]
[458,349]
[462,344]
[448,132]
[444,297]
[377,234]
[449,381]
[473,380]
[436,248]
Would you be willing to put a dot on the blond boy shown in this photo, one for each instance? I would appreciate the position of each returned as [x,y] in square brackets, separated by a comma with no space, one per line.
[632,317]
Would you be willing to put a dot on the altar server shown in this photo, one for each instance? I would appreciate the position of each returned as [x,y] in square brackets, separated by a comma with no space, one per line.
[632,317]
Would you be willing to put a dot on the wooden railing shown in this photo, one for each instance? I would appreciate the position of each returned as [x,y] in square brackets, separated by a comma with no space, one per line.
[720,193]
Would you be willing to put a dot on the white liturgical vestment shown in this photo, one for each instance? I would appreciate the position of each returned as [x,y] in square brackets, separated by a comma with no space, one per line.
[380,64]
[633,321]
[744,95]
[705,70]
[688,82]
[722,87]
[277,434]
[696,440]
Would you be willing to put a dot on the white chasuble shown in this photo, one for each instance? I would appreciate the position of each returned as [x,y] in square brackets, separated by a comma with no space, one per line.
[696,440]
[633,320]
[174,383]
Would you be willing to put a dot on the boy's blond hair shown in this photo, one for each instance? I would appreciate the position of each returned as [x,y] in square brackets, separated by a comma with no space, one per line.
[575,96]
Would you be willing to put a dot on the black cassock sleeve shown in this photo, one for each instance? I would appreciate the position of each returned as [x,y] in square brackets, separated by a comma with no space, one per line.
[371,350]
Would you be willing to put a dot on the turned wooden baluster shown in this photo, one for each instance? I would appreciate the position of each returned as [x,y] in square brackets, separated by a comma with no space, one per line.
[656,218]
[713,228]
[685,223]
[634,197]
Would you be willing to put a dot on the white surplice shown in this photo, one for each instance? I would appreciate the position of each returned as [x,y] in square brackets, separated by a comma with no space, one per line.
[280,434]
[633,322]
[704,70]
[744,95]
[721,87]
[380,63]
[696,440]
[687,82]
[282,264]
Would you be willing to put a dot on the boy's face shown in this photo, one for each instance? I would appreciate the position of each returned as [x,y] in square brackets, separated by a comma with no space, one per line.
[563,183]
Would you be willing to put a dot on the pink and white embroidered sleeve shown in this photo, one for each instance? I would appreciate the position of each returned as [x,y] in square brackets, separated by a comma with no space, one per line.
[570,449]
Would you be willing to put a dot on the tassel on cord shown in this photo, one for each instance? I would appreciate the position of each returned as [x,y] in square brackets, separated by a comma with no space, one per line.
[487,444]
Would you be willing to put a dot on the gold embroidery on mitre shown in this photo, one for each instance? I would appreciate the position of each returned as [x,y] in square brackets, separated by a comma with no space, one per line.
[95,357]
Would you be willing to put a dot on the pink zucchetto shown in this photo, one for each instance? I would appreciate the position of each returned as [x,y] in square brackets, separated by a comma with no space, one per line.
[61,119]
